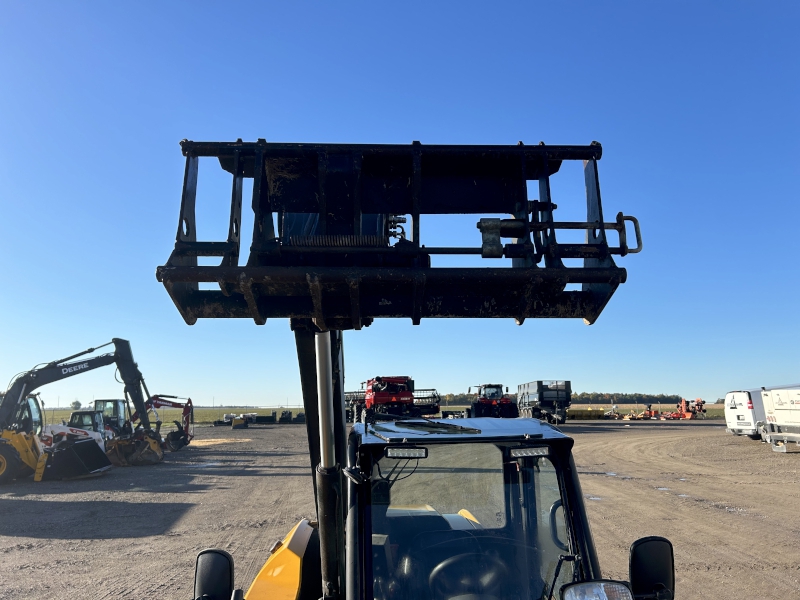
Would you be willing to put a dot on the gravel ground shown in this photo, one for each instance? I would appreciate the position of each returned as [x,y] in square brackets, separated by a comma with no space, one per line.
[729,505]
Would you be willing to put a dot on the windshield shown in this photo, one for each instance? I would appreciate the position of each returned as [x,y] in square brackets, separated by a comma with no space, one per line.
[493,393]
[389,387]
[467,521]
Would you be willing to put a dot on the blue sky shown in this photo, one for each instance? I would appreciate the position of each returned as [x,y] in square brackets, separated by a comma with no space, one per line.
[695,105]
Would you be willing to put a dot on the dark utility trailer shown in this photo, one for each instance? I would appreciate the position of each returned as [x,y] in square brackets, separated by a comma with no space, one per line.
[336,244]
[546,400]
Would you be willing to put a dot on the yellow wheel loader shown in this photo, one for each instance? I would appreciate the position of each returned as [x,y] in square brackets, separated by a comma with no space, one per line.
[411,508]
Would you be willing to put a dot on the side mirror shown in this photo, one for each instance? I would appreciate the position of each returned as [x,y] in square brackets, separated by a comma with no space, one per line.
[652,568]
[469,390]
[213,575]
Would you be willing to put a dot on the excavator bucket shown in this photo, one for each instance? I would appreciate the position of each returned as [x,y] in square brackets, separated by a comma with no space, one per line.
[177,439]
[337,235]
[133,452]
[80,459]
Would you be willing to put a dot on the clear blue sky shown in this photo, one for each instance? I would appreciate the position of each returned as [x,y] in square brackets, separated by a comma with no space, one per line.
[696,107]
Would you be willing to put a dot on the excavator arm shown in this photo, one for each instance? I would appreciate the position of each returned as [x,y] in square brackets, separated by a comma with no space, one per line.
[27,382]
[183,435]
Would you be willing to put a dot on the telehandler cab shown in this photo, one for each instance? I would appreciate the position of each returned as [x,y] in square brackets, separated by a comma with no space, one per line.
[410,508]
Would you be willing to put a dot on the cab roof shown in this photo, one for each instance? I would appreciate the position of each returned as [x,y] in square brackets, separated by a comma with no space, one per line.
[410,430]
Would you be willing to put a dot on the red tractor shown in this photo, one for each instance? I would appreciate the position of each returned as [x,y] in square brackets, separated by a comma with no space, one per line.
[391,396]
[490,401]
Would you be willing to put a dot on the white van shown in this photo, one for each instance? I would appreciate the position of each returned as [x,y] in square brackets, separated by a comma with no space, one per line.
[743,410]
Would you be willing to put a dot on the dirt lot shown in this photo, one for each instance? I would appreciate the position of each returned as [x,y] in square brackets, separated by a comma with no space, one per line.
[729,505]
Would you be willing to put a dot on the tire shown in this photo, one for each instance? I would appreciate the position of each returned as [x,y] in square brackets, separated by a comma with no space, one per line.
[10,463]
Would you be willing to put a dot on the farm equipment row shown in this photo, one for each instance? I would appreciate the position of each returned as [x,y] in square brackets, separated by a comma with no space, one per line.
[397,396]
[244,420]
[684,411]
[93,440]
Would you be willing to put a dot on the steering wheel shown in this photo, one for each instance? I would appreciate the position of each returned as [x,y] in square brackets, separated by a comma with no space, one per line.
[468,574]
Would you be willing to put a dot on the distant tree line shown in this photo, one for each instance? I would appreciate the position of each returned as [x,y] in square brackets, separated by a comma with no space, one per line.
[615,398]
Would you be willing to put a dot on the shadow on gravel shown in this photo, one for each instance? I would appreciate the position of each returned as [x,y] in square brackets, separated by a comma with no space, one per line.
[83,520]
[163,478]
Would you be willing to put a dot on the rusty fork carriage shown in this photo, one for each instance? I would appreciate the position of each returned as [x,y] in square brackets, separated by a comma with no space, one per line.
[336,237]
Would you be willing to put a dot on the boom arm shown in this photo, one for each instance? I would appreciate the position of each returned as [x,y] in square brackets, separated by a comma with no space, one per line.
[187,416]
[57,370]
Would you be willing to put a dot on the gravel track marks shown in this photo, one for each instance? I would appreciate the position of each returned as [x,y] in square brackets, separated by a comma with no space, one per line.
[135,532]
[729,505]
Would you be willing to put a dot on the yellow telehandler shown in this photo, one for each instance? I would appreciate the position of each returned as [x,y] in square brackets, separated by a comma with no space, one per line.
[412,508]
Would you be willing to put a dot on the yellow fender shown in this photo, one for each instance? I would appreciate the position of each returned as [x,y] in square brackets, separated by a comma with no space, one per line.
[279,578]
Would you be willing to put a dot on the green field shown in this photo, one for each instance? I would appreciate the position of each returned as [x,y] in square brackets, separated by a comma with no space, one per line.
[202,415]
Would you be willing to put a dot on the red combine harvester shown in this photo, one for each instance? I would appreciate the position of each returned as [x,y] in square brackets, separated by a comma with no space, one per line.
[390,396]
[490,401]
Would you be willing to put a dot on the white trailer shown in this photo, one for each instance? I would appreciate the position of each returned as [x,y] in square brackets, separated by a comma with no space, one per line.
[781,425]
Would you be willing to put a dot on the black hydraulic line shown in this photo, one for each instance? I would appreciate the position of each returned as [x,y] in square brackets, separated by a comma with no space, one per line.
[76,355]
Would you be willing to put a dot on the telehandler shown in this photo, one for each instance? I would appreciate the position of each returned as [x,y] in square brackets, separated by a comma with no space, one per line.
[408,507]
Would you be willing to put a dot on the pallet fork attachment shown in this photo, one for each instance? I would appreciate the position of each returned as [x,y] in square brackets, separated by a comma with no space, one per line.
[340,256]
[337,243]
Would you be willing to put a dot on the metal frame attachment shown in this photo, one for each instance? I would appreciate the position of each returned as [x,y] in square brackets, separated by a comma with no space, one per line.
[330,250]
